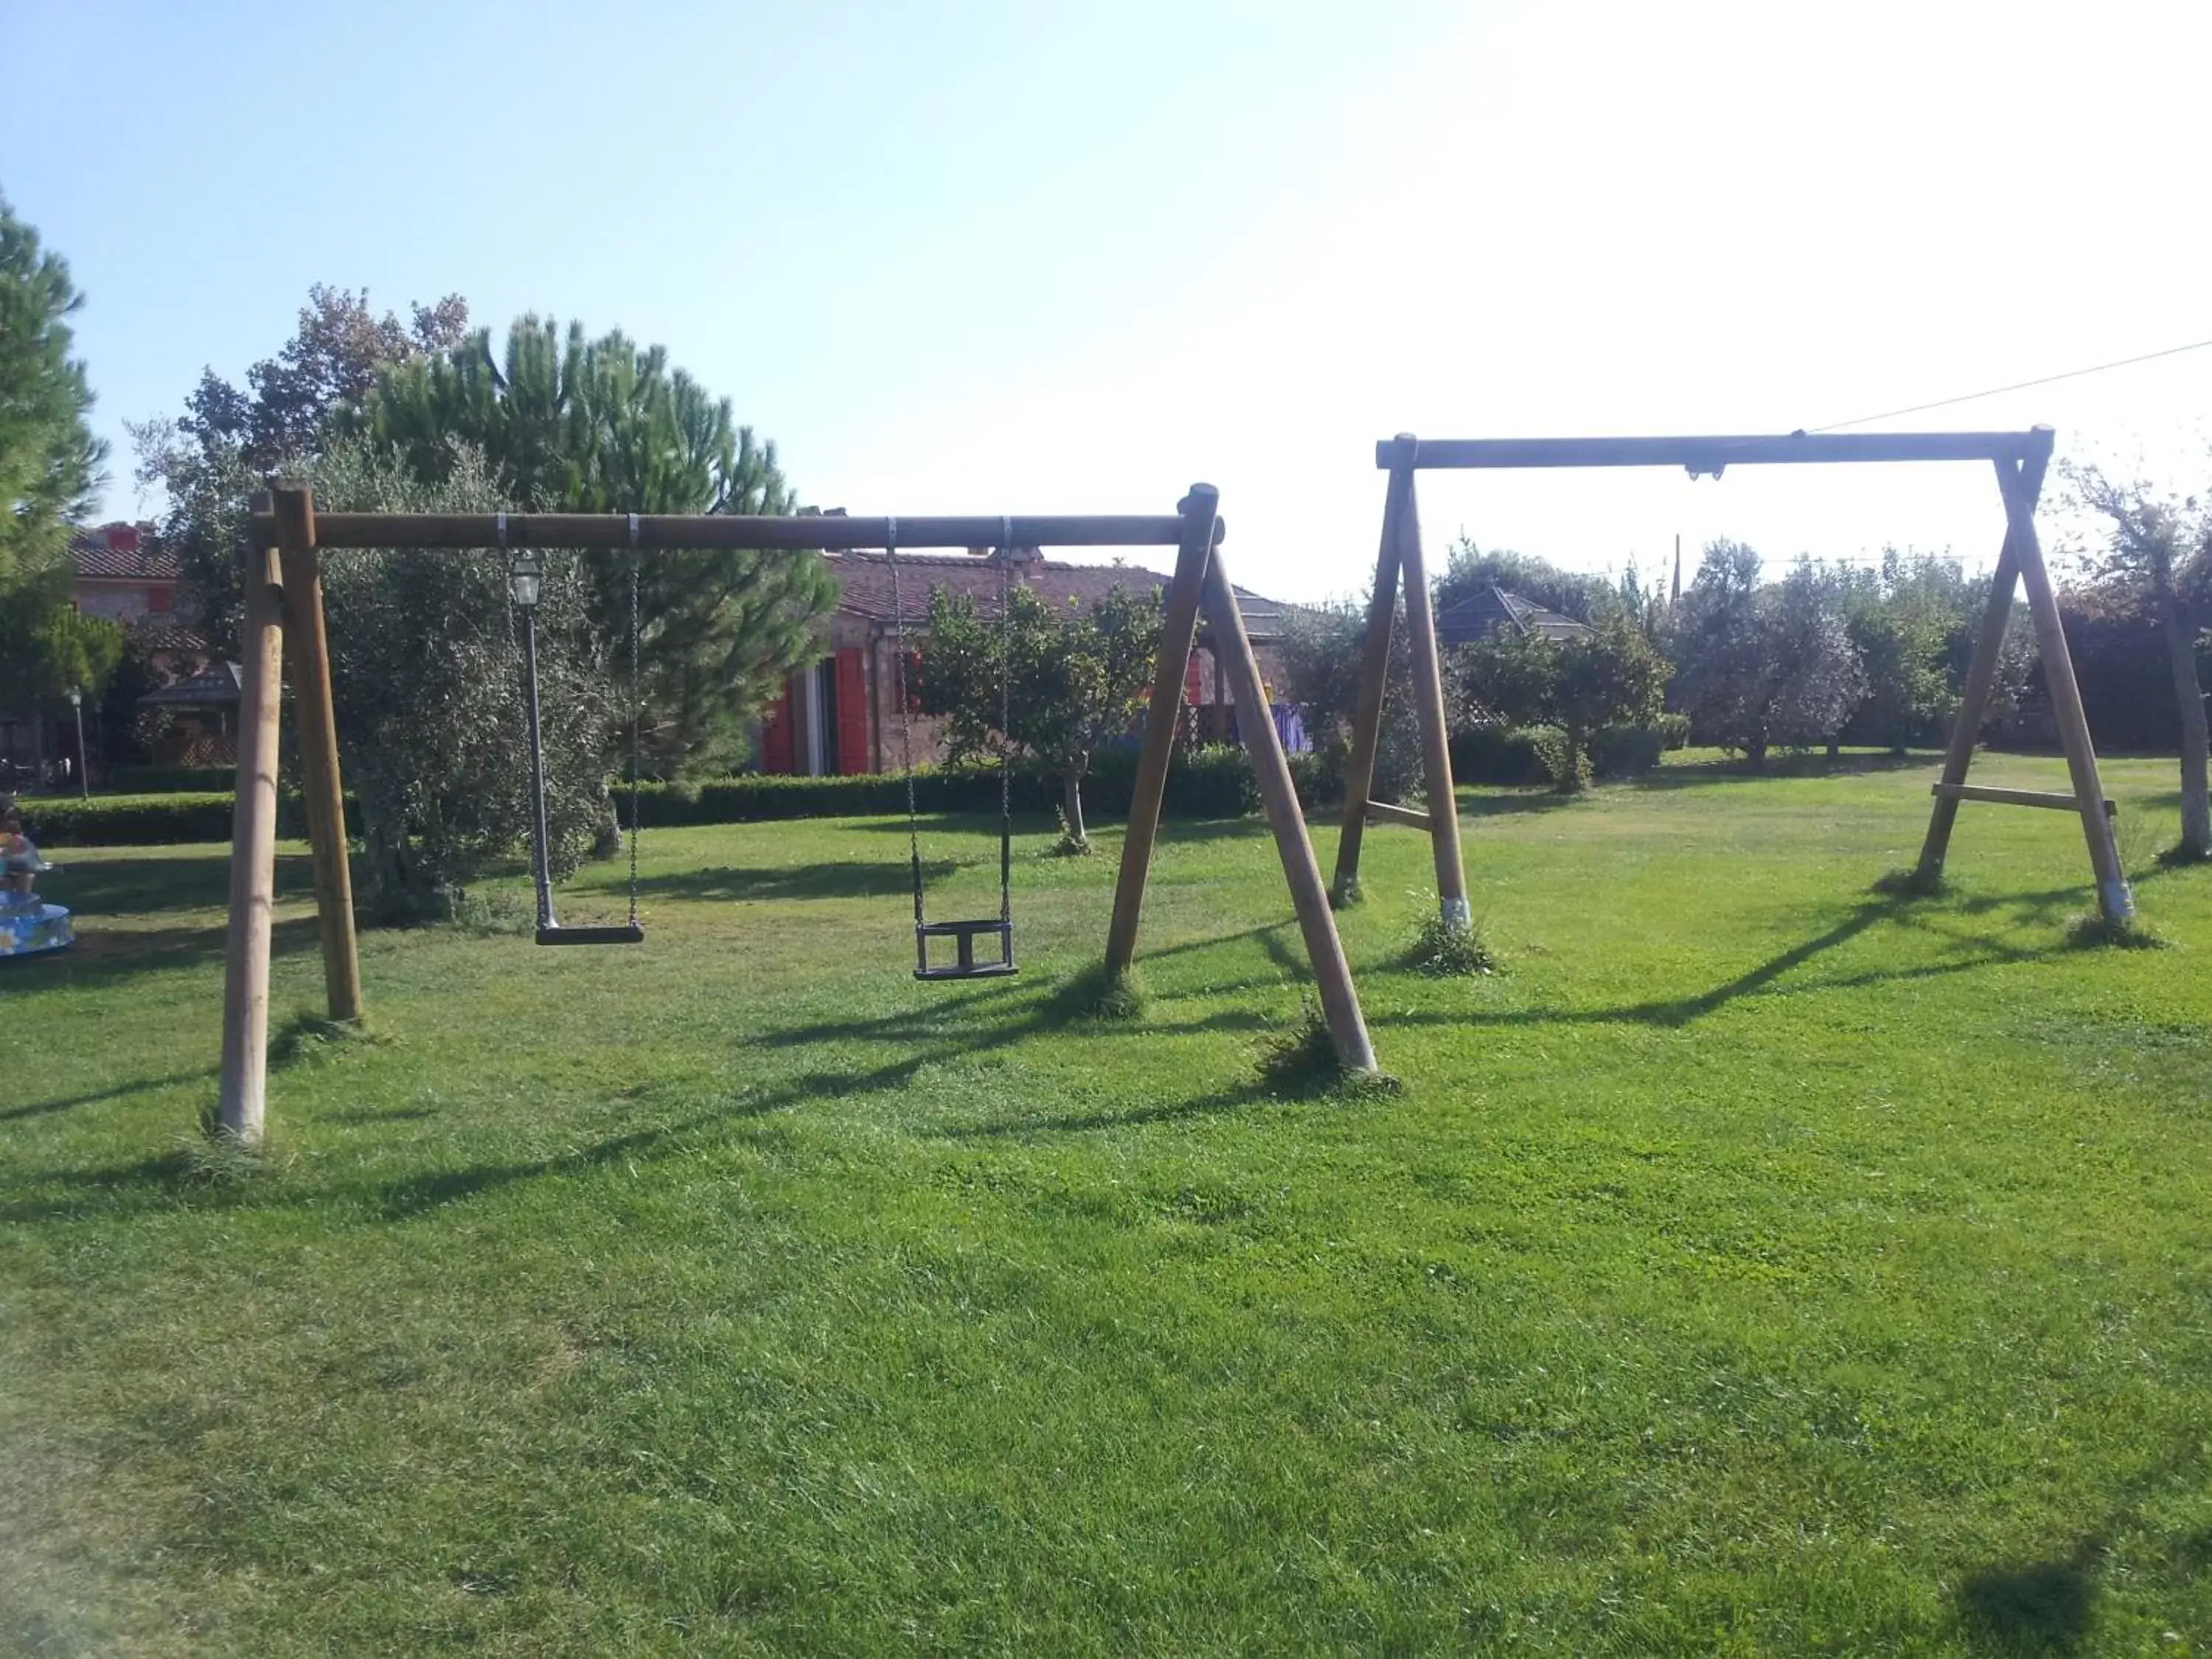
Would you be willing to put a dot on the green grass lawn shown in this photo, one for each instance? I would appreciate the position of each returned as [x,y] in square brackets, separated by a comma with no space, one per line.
[1755,1266]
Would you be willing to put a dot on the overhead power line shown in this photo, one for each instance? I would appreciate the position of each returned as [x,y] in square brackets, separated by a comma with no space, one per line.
[2018,385]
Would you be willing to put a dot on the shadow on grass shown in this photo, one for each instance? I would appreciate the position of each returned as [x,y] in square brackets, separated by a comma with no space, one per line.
[116,1091]
[2038,1609]
[836,879]
[103,953]
[155,882]
[1684,774]
[1981,953]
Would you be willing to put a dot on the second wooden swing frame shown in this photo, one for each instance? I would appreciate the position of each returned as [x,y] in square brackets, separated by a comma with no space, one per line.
[2021,460]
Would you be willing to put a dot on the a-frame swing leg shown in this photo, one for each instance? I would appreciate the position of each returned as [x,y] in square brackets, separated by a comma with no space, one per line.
[1428,705]
[1340,998]
[1198,579]
[1373,687]
[242,1091]
[1201,511]
[1399,560]
[2021,483]
[2114,902]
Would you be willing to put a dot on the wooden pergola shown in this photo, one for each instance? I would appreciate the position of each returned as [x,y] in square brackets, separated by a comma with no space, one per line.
[2020,459]
[285,539]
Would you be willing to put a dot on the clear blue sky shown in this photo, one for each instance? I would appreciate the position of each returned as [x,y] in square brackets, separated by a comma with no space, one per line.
[1020,257]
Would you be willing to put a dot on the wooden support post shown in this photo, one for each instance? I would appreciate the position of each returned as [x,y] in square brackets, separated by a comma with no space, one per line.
[320,778]
[1374,680]
[1428,704]
[2114,901]
[243,1093]
[1974,700]
[1340,998]
[1200,510]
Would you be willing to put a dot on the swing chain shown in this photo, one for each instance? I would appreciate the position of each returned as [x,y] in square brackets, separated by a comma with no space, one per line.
[1006,721]
[906,720]
[637,722]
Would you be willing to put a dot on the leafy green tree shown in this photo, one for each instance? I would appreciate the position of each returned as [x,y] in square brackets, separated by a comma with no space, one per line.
[426,682]
[49,459]
[230,440]
[579,425]
[1076,679]
[1906,619]
[2156,556]
[47,647]
[1322,653]
[1469,571]
[1612,676]
[1764,665]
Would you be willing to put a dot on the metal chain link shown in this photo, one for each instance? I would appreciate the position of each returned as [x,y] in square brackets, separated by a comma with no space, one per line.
[905,716]
[636,723]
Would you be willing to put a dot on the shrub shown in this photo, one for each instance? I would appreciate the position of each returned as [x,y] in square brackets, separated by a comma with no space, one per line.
[127,820]
[169,780]
[1625,751]
[1209,782]
[1496,755]
[1564,764]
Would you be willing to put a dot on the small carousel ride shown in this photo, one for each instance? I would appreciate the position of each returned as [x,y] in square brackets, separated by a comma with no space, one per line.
[29,926]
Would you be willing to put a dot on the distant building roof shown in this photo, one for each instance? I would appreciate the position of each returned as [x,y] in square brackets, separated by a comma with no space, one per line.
[121,552]
[865,583]
[1493,611]
[150,634]
[217,683]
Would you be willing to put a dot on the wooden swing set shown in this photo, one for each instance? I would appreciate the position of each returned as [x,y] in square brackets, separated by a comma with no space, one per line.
[2021,459]
[284,602]
[284,599]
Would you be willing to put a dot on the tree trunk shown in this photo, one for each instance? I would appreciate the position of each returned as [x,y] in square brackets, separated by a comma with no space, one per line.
[2195,803]
[1071,784]
[400,892]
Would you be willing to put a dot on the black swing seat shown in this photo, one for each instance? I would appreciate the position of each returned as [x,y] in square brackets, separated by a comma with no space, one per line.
[621,933]
[965,934]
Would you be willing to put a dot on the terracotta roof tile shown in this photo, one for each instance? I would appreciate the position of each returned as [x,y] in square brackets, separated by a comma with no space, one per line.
[121,552]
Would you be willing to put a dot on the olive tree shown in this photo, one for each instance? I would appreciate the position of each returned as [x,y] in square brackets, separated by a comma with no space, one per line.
[2156,555]
[426,680]
[1075,679]
[1764,665]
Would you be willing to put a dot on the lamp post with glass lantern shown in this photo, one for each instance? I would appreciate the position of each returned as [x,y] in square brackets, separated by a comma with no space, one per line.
[525,583]
[83,773]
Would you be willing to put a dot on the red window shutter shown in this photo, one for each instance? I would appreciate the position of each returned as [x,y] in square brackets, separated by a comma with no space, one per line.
[777,755]
[852,712]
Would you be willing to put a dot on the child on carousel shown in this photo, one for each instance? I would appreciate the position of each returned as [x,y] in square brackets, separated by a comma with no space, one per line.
[19,859]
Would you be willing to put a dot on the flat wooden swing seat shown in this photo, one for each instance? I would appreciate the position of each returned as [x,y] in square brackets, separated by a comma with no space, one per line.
[620,933]
[964,933]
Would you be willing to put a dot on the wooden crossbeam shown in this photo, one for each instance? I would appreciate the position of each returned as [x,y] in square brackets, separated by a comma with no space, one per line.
[2057,800]
[1711,454]
[1382,811]
[657,532]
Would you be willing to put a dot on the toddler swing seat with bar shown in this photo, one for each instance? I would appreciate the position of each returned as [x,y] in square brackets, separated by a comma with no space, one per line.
[964,934]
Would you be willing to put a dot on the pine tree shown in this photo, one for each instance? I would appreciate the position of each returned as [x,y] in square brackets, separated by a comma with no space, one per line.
[49,459]
[578,425]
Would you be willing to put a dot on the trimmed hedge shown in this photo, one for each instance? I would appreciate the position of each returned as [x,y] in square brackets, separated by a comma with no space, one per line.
[1214,781]
[1625,752]
[1495,755]
[170,780]
[127,820]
